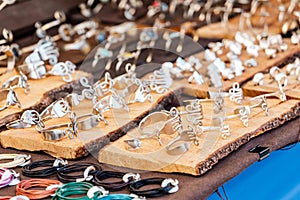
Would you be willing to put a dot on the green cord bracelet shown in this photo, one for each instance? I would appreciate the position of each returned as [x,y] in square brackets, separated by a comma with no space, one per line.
[73,188]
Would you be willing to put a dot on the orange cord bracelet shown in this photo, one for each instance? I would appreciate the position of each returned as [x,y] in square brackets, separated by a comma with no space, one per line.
[23,186]
[5,197]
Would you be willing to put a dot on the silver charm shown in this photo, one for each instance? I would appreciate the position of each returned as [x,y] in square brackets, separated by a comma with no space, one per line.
[176,72]
[253,50]
[11,99]
[54,133]
[194,112]
[18,81]
[291,68]
[244,38]
[34,70]
[236,93]
[88,92]
[64,69]
[173,183]
[57,109]
[66,32]
[6,2]
[141,93]
[181,144]
[258,79]
[282,82]
[80,44]
[133,143]
[198,78]
[262,103]
[86,8]
[114,101]
[169,36]
[273,72]
[214,75]
[27,119]
[156,7]
[30,117]
[7,35]
[160,81]
[148,39]
[12,54]
[59,16]
[195,62]
[101,88]
[250,63]
[125,56]
[237,67]
[103,53]
[183,65]
[171,124]
[242,113]
[295,38]
[46,50]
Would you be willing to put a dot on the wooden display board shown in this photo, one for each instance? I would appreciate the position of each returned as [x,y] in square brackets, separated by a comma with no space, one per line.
[263,63]
[199,159]
[219,30]
[42,93]
[119,120]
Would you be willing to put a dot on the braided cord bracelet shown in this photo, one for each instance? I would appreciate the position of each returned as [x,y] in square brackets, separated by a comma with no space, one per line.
[168,186]
[18,160]
[73,188]
[49,167]
[126,179]
[49,185]
[8,177]
[69,173]
[99,193]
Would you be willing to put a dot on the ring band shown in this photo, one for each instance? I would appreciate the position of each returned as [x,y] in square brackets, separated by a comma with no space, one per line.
[84,122]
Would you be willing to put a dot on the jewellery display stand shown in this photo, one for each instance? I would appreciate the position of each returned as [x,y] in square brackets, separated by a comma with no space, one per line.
[42,93]
[195,161]
[198,159]
[119,122]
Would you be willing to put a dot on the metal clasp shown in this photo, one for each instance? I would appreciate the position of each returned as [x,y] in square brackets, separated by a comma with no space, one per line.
[263,152]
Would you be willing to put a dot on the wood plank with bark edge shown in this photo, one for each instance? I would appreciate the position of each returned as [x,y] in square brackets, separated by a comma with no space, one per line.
[212,148]
[94,139]
[218,30]
[263,64]
[42,93]
[93,144]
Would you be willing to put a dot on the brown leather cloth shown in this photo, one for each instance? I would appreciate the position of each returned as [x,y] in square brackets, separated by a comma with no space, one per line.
[191,188]
[197,188]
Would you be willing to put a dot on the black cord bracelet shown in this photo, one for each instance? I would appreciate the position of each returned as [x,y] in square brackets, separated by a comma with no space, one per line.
[168,186]
[126,179]
[47,168]
[78,172]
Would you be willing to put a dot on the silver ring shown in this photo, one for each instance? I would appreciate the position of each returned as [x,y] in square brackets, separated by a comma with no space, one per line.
[18,81]
[28,118]
[41,29]
[10,97]
[181,144]
[83,122]
[258,79]
[64,69]
[56,109]
[33,70]
[273,72]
